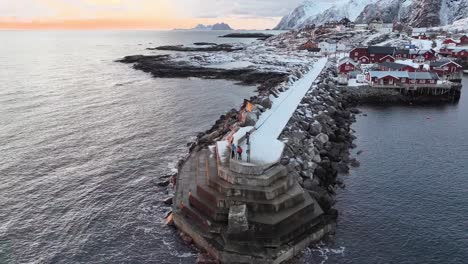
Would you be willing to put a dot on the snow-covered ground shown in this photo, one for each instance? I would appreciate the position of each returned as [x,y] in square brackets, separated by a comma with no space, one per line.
[280,53]
[354,83]
[458,25]
[265,146]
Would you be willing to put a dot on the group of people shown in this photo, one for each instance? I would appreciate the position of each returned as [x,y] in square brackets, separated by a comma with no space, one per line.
[236,152]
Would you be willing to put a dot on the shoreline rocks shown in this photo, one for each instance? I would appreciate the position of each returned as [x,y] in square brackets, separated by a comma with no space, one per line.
[259,36]
[318,139]
[203,46]
[161,66]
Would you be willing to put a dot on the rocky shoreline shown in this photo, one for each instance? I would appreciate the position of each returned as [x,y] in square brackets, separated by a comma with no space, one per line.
[200,46]
[259,36]
[319,138]
[160,66]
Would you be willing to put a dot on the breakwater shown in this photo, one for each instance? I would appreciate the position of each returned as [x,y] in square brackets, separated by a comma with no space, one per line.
[318,138]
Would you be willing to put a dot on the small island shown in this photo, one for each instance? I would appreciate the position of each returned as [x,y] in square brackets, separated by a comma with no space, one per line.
[217,27]
[260,36]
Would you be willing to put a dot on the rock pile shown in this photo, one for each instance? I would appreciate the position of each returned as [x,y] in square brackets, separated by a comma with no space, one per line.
[318,138]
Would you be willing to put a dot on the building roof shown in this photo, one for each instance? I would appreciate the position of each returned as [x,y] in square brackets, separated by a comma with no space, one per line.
[393,65]
[419,30]
[346,59]
[423,75]
[394,74]
[402,51]
[403,74]
[381,50]
[441,63]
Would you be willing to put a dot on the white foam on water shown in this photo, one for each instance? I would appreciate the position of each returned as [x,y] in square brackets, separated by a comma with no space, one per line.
[323,252]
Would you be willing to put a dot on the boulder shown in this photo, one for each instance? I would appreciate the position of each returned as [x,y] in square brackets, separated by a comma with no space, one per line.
[355,163]
[250,120]
[206,259]
[237,220]
[323,138]
[163,183]
[266,103]
[168,200]
[340,167]
[187,239]
[315,128]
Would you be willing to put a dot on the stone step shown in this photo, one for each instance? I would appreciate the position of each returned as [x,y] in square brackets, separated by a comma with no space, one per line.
[251,192]
[274,231]
[207,208]
[200,219]
[293,197]
[268,178]
[270,222]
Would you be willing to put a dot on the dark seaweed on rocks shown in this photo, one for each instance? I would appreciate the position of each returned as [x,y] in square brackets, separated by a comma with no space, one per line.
[161,66]
[202,47]
[260,36]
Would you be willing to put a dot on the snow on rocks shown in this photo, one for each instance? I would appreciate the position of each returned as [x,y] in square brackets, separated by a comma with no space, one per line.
[265,146]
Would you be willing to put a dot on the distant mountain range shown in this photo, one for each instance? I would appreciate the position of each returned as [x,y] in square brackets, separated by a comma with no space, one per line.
[416,13]
[217,26]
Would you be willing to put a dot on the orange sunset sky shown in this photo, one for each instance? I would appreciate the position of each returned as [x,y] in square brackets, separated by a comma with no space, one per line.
[140,14]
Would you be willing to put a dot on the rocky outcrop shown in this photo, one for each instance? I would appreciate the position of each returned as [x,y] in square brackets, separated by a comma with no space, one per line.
[261,36]
[215,47]
[162,66]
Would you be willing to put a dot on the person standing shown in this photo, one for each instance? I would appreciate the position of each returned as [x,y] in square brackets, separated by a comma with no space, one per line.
[233,151]
[247,137]
[239,152]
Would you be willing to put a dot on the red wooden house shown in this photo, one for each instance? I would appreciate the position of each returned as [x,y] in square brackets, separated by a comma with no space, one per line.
[347,65]
[401,78]
[463,40]
[357,54]
[381,54]
[449,41]
[423,55]
[460,53]
[445,66]
[387,58]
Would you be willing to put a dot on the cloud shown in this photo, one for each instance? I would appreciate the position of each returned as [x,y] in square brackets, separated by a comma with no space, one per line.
[188,8]
[244,13]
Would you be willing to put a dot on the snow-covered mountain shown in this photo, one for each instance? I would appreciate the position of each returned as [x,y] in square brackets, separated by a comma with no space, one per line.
[314,12]
[418,13]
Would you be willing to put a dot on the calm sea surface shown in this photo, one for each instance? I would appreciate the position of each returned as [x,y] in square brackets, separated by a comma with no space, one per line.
[408,202]
[84,139]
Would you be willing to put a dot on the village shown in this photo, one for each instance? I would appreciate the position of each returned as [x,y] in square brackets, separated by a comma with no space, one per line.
[427,62]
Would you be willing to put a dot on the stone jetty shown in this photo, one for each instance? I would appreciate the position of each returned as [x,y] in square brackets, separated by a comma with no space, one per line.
[248,212]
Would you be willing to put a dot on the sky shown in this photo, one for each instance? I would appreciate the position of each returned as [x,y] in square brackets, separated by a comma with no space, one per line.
[144,14]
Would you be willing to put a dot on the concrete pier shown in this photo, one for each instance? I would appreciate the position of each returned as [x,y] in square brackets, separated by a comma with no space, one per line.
[243,213]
